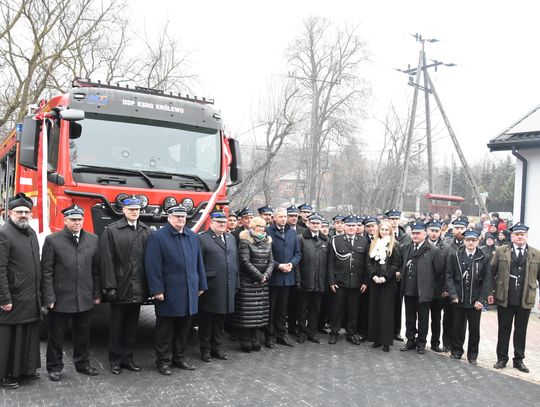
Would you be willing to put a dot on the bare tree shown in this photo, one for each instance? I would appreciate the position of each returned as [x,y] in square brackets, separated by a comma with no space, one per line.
[44,44]
[38,37]
[277,121]
[325,60]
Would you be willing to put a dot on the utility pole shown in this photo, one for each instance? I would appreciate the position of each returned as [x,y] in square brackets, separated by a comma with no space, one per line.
[431,178]
[405,173]
[467,169]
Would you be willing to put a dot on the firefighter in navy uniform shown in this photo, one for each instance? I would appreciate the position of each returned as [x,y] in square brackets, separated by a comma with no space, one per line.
[266,212]
[423,263]
[346,278]
[123,280]
[468,278]
[306,210]
[245,216]
[220,258]
[440,300]
[516,275]
[70,288]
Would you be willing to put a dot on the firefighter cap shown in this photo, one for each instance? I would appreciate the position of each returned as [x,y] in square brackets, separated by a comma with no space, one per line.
[177,210]
[73,212]
[132,202]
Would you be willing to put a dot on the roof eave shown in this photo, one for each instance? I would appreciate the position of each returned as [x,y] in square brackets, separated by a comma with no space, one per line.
[505,146]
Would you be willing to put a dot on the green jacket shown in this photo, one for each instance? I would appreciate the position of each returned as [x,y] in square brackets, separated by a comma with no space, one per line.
[500,269]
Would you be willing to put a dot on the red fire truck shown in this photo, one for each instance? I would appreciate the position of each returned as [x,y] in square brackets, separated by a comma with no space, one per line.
[99,143]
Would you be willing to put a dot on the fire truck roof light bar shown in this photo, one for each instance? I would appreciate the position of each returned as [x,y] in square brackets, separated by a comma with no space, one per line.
[87,83]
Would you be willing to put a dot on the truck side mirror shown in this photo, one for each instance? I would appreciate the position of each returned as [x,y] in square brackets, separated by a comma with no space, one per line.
[71,115]
[28,155]
[237,172]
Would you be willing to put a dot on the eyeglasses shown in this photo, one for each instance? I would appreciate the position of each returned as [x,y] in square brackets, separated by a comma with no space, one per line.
[259,227]
[22,212]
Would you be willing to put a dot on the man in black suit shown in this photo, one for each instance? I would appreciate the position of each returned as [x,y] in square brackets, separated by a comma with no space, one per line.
[220,259]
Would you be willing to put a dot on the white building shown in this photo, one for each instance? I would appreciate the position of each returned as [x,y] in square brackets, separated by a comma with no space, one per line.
[523,140]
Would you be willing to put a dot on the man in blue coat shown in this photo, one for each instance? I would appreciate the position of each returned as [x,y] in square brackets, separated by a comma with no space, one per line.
[287,255]
[220,257]
[176,278]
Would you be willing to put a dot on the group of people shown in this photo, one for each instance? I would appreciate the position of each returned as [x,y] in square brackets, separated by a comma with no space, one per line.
[287,272]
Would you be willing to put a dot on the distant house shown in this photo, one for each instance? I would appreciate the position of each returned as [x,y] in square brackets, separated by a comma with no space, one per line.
[523,140]
[290,187]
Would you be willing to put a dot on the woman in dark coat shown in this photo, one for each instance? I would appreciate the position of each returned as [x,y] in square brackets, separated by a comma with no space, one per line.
[383,263]
[252,302]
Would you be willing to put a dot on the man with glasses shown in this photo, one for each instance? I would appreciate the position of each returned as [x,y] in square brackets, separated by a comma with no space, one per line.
[20,287]
[516,274]
[123,280]
[346,278]
[220,258]
[176,278]
[423,263]
[70,288]
[468,279]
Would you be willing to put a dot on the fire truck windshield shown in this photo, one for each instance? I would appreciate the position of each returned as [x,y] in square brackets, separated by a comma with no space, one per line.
[147,147]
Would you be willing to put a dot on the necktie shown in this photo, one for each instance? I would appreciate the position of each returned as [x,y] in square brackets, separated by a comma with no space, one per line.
[415,247]
[520,255]
[316,238]
[76,238]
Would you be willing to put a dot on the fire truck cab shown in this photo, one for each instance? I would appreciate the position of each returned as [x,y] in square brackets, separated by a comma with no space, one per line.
[99,143]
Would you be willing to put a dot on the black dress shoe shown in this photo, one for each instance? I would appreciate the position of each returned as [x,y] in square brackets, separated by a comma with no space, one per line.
[282,340]
[333,339]
[246,348]
[301,338]
[205,356]
[455,356]
[499,365]
[55,376]
[521,367]
[436,349]
[375,345]
[269,343]
[398,338]
[386,348]
[314,339]
[115,369]
[88,370]
[184,365]
[355,340]
[32,376]
[446,349]
[473,362]
[164,370]
[408,346]
[362,338]
[420,350]
[10,383]
[131,366]
[219,354]
[256,347]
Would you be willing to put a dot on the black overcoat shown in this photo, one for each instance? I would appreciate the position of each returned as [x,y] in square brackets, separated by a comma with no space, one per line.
[20,275]
[70,271]
[430,266]
[121,252]
[221,266]
[311,271]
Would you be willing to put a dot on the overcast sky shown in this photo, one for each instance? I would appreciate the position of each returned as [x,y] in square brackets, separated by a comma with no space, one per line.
[239,46]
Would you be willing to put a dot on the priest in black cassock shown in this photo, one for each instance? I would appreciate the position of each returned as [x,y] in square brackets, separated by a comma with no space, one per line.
[20,286]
